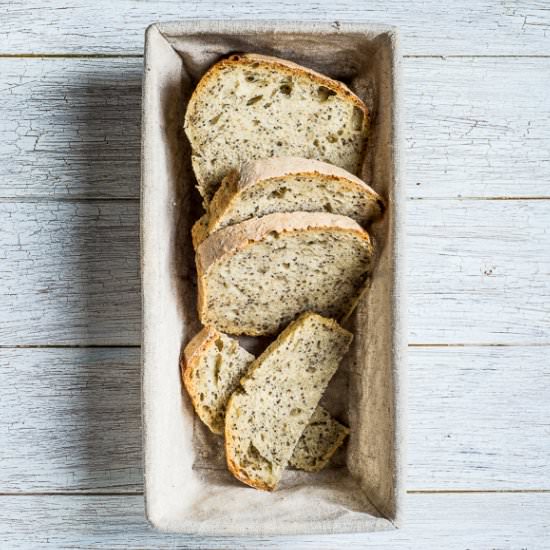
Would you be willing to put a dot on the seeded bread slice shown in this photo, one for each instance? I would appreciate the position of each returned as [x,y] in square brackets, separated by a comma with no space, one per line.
[254,106]
[291,184]
[288,184]
[212,366]
[278,396]
[319,441]
[256,276]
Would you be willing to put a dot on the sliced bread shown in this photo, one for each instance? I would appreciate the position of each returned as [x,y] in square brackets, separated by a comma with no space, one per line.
[288,184]
[256,276]
[278,396]
[319,441]
[212,366]
[253,106]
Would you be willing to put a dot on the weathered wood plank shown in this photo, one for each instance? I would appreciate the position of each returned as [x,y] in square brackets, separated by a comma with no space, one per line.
[71,422]
[450,521]
[428,27]
[478,272]
[477,127]
[478,418]
[69,273]
[70,127]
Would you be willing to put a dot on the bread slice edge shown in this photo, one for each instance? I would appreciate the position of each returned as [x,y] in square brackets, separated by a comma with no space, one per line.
[230,447]
[234,238]
[255,172]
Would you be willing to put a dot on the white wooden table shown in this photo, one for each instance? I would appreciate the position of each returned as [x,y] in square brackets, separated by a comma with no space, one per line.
[477,110]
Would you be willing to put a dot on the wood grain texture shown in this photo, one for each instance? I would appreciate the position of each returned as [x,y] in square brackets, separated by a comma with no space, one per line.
[69,272]
[428,27]
[477,419]
[478,271]
[477,127]
[70,127]
[449,521]
[473,127]
[72,420]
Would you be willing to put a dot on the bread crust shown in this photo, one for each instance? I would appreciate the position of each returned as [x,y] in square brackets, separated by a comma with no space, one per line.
[259,171]
[199,231]
[235,237]
[191,356]
[293,327]
[284,67]
[232,239]
[232,465]
[254,171]
[198,344]
[288,67]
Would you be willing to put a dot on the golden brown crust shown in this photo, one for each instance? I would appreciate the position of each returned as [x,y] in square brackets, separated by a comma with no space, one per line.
[293,327]
[241,476]
[198,343]
[261,169]
[199,231]
[229,444]
[235,238]
[294,69]
[284,66]
[264,171]
[233,467]
[223,198]
[191,355]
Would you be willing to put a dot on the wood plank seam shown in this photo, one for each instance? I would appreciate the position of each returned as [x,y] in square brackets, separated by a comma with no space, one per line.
[75,420]
[71,128]
[76,291]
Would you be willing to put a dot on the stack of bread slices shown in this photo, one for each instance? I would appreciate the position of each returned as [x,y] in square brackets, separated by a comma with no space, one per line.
[282,250]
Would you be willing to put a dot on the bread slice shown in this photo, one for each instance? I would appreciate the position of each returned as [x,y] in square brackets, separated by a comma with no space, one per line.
[256,276]
[212,366]
[265,419]
[318,442]
[253,106]
[288,184]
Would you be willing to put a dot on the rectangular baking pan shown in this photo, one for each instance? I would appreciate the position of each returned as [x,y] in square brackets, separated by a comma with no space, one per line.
[187,487]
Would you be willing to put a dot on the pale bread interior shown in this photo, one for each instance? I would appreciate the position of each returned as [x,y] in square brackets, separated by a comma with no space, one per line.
[252,107]
[213,366]
[255,277]
[319,441]
[212,373]
[267,186]
[278,396]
